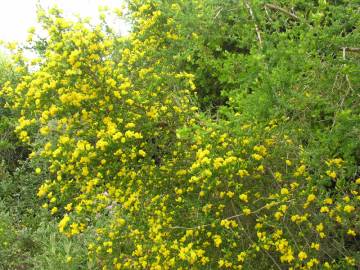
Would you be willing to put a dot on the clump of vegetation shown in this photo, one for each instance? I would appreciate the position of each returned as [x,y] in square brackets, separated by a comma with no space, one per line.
[218,134]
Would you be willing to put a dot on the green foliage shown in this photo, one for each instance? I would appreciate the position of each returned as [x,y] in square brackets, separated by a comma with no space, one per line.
[29,239]
[259,61]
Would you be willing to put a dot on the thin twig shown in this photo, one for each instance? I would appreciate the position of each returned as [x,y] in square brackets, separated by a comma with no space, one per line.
[290,14]
[344,49]
[217,14]
[267,14]
[254,19]
[350,49]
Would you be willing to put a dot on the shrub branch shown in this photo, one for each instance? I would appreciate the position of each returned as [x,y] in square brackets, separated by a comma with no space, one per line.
[288,13]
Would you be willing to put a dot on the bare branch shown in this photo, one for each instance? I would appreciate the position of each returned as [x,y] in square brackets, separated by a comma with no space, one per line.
[351,49]
[290,14]
[217,14]
[253,17]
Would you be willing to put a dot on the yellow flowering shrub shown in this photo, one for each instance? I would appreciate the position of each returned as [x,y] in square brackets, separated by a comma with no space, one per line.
[158,184]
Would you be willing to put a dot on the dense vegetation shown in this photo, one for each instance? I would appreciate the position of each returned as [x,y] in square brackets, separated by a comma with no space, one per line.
[216,135]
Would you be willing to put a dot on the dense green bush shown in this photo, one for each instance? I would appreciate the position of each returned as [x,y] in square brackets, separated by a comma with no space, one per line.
[29,239]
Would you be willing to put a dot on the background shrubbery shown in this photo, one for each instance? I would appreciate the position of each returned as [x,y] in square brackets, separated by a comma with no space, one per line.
[218,134]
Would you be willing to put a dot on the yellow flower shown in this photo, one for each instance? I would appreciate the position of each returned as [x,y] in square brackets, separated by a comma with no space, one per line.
[68,207]
[338,219]
[324,209]
[130,125]
[44,130]
[278,176]
[243,173]
[331,174]
[312,263]
[75,229]
[243,197]
[63,223]
[315,246]
[54,210]
[349,260]
[217,240]
[328,201]
[130,101]
[142,153]
[241,257]
[311,198]
[287,256]
[320,227]
[43,190]
[300,170]
[121,221]
[257,156]
[349,208]
[278,215]
[302,255]
[230,194]
[221,263]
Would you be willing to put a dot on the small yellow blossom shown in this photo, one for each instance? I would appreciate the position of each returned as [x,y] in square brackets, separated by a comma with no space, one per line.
[62,224]
[331,174]
[311,198]
[246,211]
[217,240]
[328,201]
[243,197]
[54,210]
[302,255]
[349,208]
[142,153]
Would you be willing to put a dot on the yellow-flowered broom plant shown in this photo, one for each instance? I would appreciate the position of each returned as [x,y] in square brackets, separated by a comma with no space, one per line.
[153,182]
